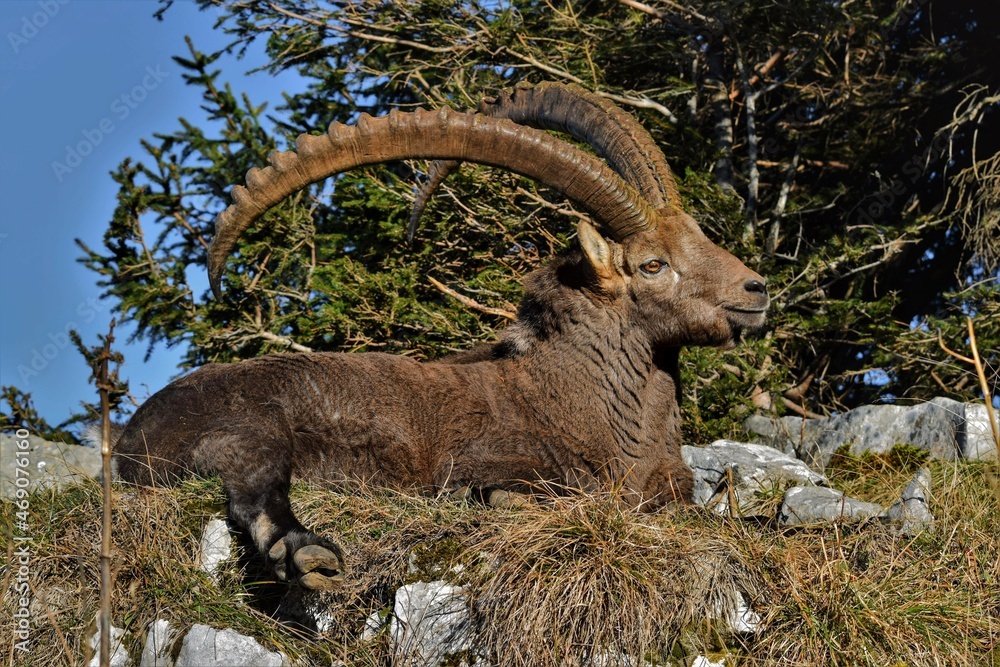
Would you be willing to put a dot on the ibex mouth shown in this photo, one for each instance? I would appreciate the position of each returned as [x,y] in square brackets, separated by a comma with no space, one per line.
[746,320]
[749,311]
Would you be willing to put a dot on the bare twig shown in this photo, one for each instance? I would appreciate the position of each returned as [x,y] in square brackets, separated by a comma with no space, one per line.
[799,410]
[182,221]
[466,301]
[983,384]
[660,14]
[976,361]
[960,357]
[104,387]
[642,7]
[639,102]
[765,68]
[282,340]
[889,250]
[562,210]
[363,35]
[774,232]
[750,226]
[393,40]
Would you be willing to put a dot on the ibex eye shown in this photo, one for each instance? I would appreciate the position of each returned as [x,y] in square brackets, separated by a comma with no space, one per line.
[652,267]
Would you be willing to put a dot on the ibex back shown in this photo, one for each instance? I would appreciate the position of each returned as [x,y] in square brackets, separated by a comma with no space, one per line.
[582,390]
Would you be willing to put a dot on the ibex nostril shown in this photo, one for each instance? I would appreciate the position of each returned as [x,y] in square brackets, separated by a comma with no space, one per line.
[755,286]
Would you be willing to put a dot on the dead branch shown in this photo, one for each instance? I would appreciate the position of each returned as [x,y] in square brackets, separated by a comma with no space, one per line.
[104,388]
[764,69]
[802,412]
[652,11]
[750,106]
[774,232]
[470,303]
[976,361]
[282,340]
[639,102]
[362,35]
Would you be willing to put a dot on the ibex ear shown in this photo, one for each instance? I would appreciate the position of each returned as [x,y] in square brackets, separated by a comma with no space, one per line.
[598,252]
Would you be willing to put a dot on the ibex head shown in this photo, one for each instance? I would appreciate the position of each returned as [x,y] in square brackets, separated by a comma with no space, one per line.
[682,288]
[711,297]
[685,289]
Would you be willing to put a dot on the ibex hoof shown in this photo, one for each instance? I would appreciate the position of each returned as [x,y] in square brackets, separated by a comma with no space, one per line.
[507,499]
[308,560]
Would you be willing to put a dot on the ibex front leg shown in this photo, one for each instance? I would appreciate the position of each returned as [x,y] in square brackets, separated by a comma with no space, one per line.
[257,477]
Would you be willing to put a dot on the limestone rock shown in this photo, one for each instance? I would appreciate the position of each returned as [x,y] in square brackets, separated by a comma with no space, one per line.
[755,468]
[48,463]
[911,509]
[786,434]
[207,647]
[373,625]
[159,642]
[944,428]
[310,609]
[215,548]
[743,620]
[702,661]
[430,622]
[812,504]
[118,656]
[975,440]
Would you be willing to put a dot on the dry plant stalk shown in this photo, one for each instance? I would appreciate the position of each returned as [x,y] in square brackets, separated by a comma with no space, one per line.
[976,361]
[104,388]
[471,303]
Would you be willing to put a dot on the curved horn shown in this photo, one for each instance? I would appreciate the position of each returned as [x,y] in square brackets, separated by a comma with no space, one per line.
[612,132]
[443,134]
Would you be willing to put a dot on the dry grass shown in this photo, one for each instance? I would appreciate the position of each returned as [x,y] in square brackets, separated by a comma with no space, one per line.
[584,579]
[571,581]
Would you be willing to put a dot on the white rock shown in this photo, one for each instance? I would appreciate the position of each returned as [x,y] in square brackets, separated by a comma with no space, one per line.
[118,656]
[307,608]
[755,468]
[739,618]
[976,439]
[215,549]
[48,463]
[373,625]
[203,646]
[911,509]
[743,619]
[159,641]
[702,661]
[430,622]
[944,428]
[812,504]
[612,659]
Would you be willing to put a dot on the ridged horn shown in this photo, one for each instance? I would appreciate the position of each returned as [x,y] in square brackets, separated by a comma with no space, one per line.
[420,134]
[609,130]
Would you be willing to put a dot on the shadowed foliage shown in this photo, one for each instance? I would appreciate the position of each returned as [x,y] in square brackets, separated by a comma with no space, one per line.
[847,153]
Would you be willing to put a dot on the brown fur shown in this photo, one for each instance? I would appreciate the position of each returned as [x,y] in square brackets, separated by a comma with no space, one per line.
[581,391]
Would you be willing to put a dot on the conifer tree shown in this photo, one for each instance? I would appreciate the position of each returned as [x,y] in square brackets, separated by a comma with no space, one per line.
[847,151]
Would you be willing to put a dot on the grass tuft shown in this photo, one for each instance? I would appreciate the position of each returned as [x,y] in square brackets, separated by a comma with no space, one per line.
[570,581]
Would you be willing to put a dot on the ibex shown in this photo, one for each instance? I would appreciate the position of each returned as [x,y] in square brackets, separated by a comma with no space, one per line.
[582,390]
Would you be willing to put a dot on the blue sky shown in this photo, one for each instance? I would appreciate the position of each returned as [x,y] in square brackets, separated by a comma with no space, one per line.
[96,72]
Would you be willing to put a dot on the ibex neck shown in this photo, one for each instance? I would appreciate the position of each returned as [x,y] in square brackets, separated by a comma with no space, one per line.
[610,384]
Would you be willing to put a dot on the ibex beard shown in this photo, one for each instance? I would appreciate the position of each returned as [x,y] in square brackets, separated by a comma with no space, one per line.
[581,391]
